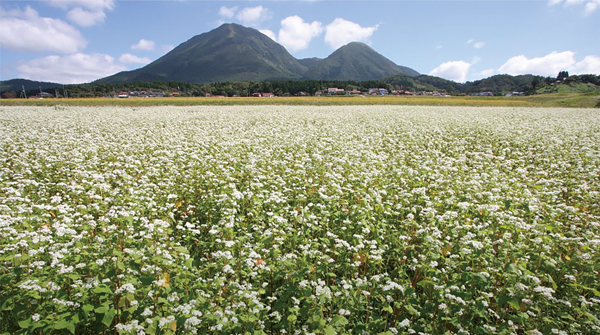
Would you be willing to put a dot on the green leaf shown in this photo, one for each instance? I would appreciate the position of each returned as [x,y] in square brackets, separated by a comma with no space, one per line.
[102,289]
[147,280]
[329,330]
[62,324]
[7,305]
[513,268]
[412,310]
[108,317]
[87,308]
[514,302]
[102,309]
[339,320]
[388,309]
[292,318]
[25,323]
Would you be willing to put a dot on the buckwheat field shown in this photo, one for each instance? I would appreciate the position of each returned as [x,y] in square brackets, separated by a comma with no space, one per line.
[299,220]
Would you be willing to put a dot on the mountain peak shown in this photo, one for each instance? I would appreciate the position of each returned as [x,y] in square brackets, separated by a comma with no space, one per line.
[356,61]
[232,52]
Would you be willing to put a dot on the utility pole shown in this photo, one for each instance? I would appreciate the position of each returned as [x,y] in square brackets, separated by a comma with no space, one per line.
[23,93]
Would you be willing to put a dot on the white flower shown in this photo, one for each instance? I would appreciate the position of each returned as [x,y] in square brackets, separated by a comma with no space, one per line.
[405,323]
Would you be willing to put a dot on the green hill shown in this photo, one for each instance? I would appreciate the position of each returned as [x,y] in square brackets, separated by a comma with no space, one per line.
[17,85]
[356,61]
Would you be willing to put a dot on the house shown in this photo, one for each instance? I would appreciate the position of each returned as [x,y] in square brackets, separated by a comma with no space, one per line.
[268,95]
[123,94]
[354,92]
[257,95]
[335,91]
[378,91]
[175,94]
[318,93]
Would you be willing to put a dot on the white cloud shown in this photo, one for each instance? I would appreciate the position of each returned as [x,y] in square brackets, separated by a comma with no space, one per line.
[27,31]
[551,64]
[456,71]
[85,18]
[132,59]
[295,34]
[250,16]
[341,32]
[84,13]
[439,46]
[269,33]
[70,69]
[589,65]
[89,4]
[144,45]
[228,12]
[589,6]
[476,45]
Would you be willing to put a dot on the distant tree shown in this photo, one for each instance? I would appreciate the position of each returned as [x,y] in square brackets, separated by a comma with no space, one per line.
[562,75]
[9,95]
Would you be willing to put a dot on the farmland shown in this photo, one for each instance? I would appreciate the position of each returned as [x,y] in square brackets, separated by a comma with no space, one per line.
[569,100]
[299,220]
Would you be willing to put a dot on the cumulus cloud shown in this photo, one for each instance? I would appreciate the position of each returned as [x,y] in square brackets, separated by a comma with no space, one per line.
[132,59]
[551,64]
[227,11]
[295,34]
[455,70]
[251,16]
[341,32]
[547,65]
[589,6]
[85,18]
[70,69]
[144,44]
[84,13]
[269,33]
[589,65]
[25,30]
[89,4]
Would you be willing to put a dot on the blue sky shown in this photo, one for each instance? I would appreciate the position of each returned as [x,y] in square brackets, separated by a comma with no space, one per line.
[75,41]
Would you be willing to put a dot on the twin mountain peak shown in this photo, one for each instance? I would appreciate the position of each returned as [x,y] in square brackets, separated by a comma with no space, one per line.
[233,52]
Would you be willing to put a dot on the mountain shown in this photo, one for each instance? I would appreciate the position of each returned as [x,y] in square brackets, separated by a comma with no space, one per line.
[230,52]
[17,85]
[310,62]
[356,61]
